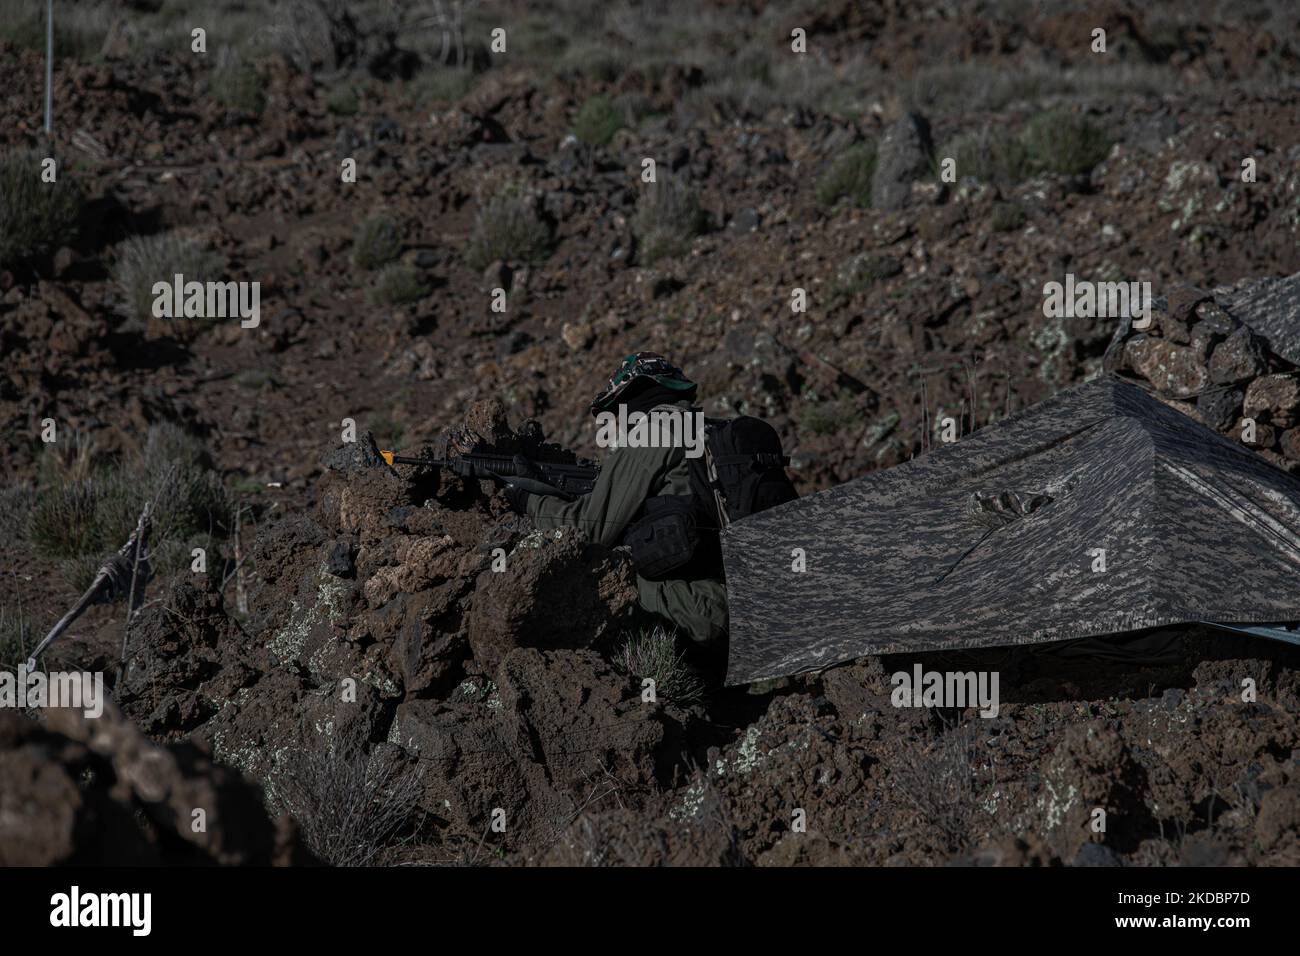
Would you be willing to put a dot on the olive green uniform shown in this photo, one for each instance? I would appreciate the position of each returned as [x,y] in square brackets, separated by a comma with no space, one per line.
[628,477]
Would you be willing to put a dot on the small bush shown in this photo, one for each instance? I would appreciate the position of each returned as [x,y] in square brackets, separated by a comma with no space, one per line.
[378,242]
[80,520]
[1058,141]
[349,809]
[508,229]
[236,84]
[992,156]
[398,284]
[35,216]
[75,518]
[849,175]
[829,417]
[946,784]
[597,121]
[653,654]
[668,216]
[1051,142]
[343,101]
[142,261]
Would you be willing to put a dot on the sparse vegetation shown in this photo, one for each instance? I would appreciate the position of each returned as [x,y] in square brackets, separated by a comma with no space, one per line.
[830,416]
[1052,142]
[16,504]
[508,229]
[79,29]
[1007,217]
[1062,142]
[668,216]
[945,783]
[236,84]
[343,100]
[849,175]
[442,84]
[989,155]
[35,216]
[18,637]
[142,261]
[597,121]
[378,241]
[349,809]
[79,518]
[398,284]
[653,654]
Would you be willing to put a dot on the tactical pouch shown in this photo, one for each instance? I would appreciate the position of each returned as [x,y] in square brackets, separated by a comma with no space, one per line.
[664,538]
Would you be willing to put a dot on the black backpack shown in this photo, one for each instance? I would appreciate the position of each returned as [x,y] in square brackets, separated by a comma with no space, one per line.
[749,465]
[677,535]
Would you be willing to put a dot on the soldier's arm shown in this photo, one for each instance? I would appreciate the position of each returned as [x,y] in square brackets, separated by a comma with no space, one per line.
[626,477]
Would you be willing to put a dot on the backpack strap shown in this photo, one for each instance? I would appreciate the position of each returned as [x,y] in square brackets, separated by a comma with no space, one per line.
[711,471]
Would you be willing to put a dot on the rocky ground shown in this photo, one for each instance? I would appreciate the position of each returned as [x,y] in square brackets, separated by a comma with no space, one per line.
[366,654]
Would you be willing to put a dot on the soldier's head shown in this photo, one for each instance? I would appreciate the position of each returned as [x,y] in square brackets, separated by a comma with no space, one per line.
[639,372]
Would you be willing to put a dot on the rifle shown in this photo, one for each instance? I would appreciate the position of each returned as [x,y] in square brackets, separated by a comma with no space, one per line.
[569,479]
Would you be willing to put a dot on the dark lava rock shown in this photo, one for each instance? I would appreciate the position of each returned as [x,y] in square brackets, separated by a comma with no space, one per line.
[902,156]
[1238,358]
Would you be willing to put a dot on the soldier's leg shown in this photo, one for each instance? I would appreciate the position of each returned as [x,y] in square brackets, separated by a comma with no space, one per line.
[698,608]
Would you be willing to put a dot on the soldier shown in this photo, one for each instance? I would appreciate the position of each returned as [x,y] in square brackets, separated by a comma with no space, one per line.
[691,594]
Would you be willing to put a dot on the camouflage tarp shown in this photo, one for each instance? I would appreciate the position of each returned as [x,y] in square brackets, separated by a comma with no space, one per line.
[993,540]
[1272,308]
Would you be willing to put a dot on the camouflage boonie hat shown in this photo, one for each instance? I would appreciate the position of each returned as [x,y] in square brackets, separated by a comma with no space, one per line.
[650,365]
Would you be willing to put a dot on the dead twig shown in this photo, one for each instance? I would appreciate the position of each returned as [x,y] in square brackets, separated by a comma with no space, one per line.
[119,574]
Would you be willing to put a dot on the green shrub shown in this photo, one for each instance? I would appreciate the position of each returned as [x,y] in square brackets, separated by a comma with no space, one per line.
[668,216]
[1058,141]
[141,261]
[849,175]
[378,242]
[992,156]
[508,229]
[35,216]
[653,654]
[597,121]
[398,284]
[343,101]
[81,520]
[829,417]
[1052,142]
[237,85]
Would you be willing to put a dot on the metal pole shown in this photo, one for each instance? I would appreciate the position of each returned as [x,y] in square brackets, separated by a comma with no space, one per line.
[49,66]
